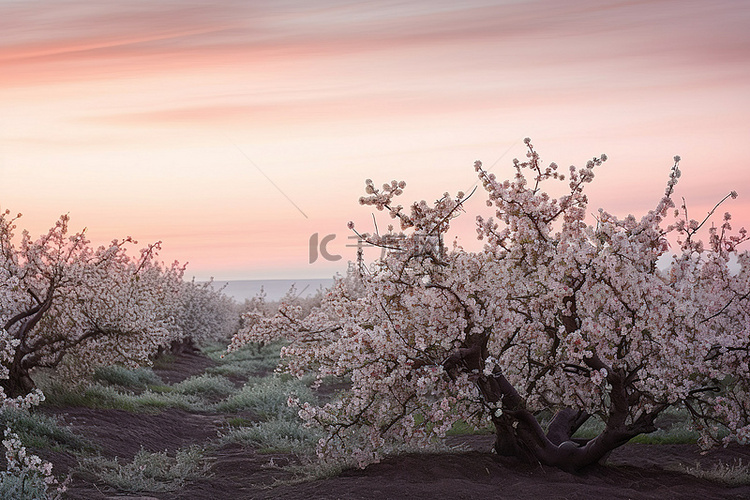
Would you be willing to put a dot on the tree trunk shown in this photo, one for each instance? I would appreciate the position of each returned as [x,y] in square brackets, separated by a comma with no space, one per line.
[518,433]
[19,382]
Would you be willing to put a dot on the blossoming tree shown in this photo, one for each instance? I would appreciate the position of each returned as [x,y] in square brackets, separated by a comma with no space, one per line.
[205,313]
[555,322]
[68,305]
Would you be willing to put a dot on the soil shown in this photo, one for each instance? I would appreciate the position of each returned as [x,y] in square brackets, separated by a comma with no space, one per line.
[633,471]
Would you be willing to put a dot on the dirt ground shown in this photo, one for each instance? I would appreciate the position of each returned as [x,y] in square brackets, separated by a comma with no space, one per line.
[633,472]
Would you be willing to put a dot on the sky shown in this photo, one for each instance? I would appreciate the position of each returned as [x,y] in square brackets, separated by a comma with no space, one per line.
[236,131]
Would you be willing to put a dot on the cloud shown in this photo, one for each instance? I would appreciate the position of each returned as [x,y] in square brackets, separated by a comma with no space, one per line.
[78,41]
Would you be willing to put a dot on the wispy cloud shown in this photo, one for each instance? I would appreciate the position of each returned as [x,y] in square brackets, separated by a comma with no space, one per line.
[69,40]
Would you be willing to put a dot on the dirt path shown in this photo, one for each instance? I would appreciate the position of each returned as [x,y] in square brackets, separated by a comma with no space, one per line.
[634,471]
[476,475]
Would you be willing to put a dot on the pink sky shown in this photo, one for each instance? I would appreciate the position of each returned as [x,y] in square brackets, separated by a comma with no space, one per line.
[197,122]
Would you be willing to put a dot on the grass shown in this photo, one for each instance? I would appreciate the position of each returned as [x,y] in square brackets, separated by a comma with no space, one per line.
[138,378]
[163,360]
[461,428]
[99,396]
[150,400]
[37,431]
[250,360]
[40,431]
[267,397]
[680,435]
[258,416]
[673,427]
[138,390]
[734,474]
[275,436]
[149,472]
[209,386]
[26,486]
[239,422]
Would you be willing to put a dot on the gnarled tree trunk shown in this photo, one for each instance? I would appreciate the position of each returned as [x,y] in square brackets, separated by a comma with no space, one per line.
[519,434]
[19,382]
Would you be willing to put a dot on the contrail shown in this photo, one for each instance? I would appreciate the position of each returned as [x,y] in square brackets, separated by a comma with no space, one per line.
[269,179]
